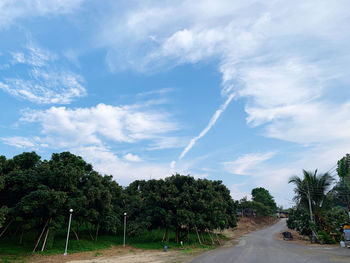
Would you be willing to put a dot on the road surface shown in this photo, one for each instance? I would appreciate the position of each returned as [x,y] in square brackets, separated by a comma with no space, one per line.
[262,247]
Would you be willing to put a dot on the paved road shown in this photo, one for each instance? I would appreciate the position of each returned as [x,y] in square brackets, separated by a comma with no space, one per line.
[262,247]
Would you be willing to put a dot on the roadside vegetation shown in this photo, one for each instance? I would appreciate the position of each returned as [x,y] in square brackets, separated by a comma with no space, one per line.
[323,203]
[36,195]
[261,205]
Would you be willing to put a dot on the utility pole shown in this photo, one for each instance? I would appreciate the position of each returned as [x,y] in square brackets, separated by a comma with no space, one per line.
[124,228]
[70,219]
[310,208]
[309,199]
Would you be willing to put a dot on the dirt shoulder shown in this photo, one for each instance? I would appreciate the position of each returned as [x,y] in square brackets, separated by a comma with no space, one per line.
[121,255]
[301,240]
[133,255]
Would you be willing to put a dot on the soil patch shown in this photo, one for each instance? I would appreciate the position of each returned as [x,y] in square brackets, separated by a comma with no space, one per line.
[121,255]
[302,240]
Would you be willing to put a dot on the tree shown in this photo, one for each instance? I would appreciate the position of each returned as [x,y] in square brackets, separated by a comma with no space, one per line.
[343,171]
[261,195]
[3,208]
[36,195]
[312,191]
[312,195]
[181,203]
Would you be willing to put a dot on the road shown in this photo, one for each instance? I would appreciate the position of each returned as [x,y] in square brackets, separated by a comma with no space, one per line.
[262,247]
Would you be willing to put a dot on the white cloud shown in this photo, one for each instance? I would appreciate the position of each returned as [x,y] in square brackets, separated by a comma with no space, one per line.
[132,158]
[92,126]
[45,82]
[19,142]
[89,132]
[238,194]
[167,143]
[288,62]
[124,172]
[247,163]
[14,10]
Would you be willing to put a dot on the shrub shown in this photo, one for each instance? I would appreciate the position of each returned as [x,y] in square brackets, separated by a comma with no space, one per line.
[324,237]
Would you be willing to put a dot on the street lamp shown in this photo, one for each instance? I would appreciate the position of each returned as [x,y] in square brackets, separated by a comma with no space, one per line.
[124,228]
[70,219]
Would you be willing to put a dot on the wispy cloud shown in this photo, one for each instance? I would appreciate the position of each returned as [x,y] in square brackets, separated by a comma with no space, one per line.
[20,142]
[10,11]
[45,82]
[246,164]
[287,62]
[155,92]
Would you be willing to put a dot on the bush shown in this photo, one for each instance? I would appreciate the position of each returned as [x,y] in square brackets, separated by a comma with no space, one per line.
[300,221]
[324,237]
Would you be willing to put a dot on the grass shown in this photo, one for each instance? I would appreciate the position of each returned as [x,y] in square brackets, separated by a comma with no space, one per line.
[11,251]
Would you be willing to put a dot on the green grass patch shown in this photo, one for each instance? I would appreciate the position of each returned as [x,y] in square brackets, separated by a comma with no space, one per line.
[11,251]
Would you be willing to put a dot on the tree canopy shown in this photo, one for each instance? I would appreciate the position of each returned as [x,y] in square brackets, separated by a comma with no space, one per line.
[36,195]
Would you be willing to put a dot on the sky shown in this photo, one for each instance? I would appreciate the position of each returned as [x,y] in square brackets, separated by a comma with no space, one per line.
[247,92]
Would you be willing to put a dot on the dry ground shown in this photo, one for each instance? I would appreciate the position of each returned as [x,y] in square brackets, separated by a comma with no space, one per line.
[132,255]
[301,240]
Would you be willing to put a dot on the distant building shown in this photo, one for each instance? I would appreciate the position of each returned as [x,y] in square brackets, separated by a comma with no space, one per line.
[282,214]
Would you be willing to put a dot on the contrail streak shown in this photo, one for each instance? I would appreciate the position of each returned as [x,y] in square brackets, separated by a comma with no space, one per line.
[211,123]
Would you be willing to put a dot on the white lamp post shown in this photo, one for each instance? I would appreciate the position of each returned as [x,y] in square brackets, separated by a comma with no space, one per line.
[70,219]
[124,228]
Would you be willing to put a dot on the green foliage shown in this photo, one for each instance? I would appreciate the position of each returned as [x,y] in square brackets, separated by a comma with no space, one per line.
[264,203]
[3,213]
[179,202]
[343,168]
[324,237]
[343,187]
[328,218]
[299,220]
[36,195]
[263,196]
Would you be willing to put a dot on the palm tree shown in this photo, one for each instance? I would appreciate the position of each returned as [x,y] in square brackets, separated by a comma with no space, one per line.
[312,190]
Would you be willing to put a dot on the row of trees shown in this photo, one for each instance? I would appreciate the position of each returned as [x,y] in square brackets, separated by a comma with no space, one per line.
[262,204]
[179,202]
[35,196]
[321,209]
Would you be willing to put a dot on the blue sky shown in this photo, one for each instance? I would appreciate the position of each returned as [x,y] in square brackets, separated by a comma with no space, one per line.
[248,92]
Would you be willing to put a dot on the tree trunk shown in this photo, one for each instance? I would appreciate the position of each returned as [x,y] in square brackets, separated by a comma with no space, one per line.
[88,229]
[44,243]
[165,236]
[76,234]
[3,231]
[98,226]
[78,227]
[21,238]
[177,235]
[47,233]
[203,237]
[199,239]
[217,239]
[212,240]
[41,234]
[18,227]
